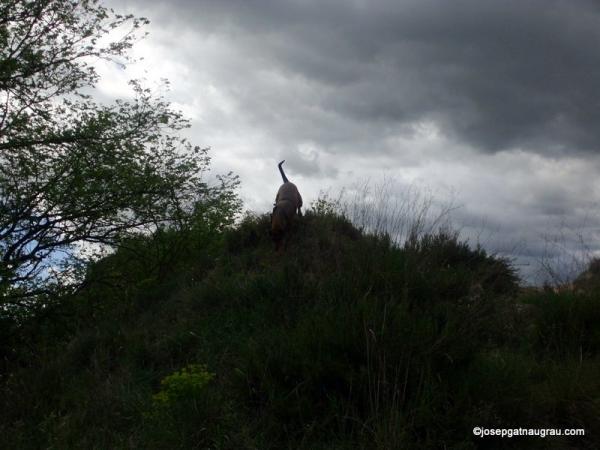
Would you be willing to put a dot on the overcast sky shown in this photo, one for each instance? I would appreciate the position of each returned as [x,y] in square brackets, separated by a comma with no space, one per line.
[494,104]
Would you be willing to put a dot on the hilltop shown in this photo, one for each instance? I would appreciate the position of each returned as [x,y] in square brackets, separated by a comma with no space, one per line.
[210,339]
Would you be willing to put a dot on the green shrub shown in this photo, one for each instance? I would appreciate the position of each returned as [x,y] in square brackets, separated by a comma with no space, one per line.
[183,385]
[186,412]
[568,323]
[461,267]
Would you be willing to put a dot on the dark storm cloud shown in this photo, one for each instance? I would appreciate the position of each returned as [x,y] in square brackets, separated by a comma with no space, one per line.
[495,75]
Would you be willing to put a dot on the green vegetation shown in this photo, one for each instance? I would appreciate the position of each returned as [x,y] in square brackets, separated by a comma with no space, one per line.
[194,333]
[77,174]
[344,341]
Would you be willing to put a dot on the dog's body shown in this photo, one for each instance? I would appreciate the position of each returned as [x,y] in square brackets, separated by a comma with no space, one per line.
[287,205]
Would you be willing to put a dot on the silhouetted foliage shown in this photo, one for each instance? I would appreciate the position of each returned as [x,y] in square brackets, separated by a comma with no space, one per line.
[344,341]
[76,174]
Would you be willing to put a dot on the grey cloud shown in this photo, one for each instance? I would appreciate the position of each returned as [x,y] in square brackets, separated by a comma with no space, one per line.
[495,75]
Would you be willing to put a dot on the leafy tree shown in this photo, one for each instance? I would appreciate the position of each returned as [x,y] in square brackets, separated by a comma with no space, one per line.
[76,173]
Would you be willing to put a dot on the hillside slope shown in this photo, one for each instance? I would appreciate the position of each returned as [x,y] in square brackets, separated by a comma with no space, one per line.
[213,340]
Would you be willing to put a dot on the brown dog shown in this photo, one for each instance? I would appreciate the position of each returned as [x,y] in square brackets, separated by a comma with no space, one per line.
[287,204]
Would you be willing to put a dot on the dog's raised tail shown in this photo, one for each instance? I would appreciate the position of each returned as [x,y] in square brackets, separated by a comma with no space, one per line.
[285,180]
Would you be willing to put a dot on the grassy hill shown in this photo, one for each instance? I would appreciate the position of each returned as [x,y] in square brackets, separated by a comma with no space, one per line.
[210,339]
